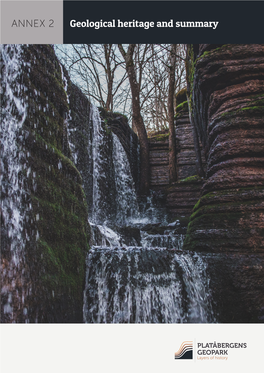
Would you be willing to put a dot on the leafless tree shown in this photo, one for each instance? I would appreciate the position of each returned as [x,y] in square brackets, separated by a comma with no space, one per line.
[154,97]
[138,80]
[171,95]
[135,83]
[198,163]
[98,70]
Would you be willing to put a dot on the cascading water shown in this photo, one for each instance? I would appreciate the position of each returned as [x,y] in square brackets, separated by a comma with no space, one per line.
[16,206]
[136,270]
[98,161]
[137,285]
[126,199]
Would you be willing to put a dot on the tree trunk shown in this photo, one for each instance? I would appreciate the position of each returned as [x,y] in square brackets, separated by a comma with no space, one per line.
[172,144]
[189,68]
[137,119]
[198,161]
[110,77]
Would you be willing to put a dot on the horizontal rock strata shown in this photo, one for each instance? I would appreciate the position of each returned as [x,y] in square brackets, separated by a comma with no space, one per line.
[228,109]
[227,99]
[186,156]
[159,162]
[183,195]
[237,282]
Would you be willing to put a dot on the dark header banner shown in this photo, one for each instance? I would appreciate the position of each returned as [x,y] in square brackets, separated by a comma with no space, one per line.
[163,22]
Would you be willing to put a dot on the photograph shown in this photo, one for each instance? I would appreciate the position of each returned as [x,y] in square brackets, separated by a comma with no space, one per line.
[132,186]
[132,183]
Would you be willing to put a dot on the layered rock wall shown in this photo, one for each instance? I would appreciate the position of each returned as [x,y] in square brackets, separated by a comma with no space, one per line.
[185,193]
[159,161]
[228,108]
[186,157]
[227,103]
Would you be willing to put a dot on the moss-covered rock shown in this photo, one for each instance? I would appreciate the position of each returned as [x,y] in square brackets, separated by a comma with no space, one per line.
[181,96]
[226,97]
[55,228]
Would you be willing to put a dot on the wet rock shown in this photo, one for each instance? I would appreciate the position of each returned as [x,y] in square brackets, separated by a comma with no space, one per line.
[159,161]
[150,285]
[186,156]
[226,90]
[237,282]
[130,235]
[228,107]
[183,195]
[118,124]
[180,198]
[44,260]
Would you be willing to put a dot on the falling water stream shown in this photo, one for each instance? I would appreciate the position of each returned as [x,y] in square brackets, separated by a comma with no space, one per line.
[136,269]
[15,205]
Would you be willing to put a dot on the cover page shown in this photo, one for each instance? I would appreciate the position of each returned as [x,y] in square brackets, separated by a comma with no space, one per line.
[132,185]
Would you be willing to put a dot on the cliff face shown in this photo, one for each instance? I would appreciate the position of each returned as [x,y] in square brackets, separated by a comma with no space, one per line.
[227,103]
[44,225]
[159,161]
[58,160]
[186,157]
[228,109]
[184,194]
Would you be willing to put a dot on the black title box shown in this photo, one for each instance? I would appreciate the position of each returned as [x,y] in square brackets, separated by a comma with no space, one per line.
[238,21]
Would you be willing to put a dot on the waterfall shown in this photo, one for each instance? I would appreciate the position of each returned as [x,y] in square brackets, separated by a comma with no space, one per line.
[126,199]
[137,285]
[98,160]
[118,202]
[15,203]
[136,270]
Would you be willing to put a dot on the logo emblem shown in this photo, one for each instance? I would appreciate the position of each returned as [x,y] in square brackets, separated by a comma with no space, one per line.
[185,351]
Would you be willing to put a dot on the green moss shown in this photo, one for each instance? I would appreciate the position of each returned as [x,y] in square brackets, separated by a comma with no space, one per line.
[218,207]
[162,137]
[159,136]
[106,114]
[181,96]
[191,179]
[196,206]
[221,218]
[64,233]
[214,51]
[108,130]
[55,156]
[260,109]
[60,274]
[190,70]
[57,224]
[256,108]
[209,197]
[183,107]
[117,114]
